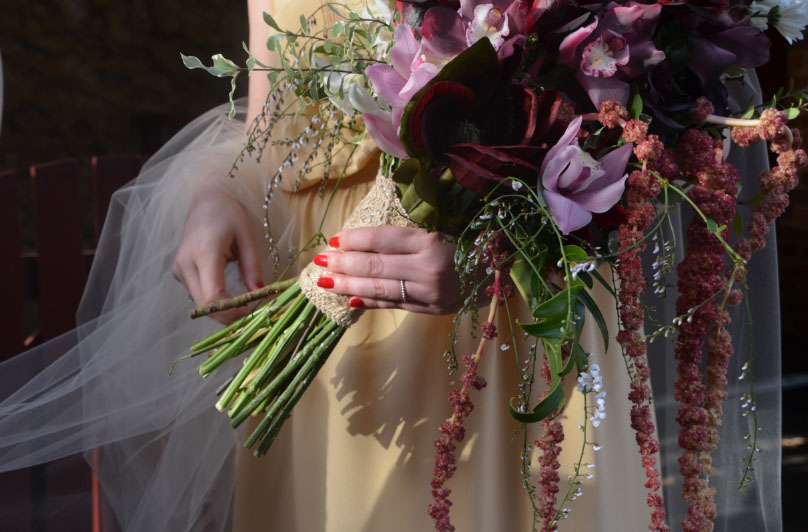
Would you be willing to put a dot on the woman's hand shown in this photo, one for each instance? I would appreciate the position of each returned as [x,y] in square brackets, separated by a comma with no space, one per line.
[216,230]
[372,262]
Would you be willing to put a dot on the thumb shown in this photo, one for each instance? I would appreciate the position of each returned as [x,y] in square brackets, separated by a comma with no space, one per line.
[248,260]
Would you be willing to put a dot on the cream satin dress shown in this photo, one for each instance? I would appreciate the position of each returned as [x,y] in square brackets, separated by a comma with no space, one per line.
[357,454]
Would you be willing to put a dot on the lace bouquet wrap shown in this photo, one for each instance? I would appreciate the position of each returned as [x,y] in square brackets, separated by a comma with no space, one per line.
[291,336]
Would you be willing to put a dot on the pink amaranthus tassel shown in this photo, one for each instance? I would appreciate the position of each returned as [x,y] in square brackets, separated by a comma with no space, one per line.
[701,275]
[550,445]
[641,187]
[452,429]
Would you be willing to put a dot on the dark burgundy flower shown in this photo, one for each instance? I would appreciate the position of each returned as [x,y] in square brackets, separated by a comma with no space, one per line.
[473,118]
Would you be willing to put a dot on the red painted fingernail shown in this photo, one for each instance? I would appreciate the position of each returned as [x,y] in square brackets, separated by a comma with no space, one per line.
[325,282]
[321,260]
[334,242]
[259,284]
[355,302]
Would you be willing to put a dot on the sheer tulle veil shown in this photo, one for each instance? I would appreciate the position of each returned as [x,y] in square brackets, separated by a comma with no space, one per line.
[166,456]
[758,507]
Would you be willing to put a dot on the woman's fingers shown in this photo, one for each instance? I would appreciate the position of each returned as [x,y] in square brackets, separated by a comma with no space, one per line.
[369,303]
[248,259]
[211,279]
[375,265]
[384,239]
[374,288]
[216,230]
[371,263]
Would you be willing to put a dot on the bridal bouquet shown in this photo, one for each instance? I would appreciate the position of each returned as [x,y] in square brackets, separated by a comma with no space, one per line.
[547,139]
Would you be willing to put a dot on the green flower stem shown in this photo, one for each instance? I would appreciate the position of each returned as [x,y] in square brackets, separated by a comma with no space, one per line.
[299,354]
[281,330]
[249,365]
[234,348]
[242,300]
[216,338]
[293,393]
[283,346]
[284,376]
[237,346]
[269,308]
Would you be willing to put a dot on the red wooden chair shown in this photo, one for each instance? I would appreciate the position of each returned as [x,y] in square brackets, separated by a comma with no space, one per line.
[54,276]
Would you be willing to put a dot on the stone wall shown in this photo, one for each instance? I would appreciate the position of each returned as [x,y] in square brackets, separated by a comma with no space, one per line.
[85,77]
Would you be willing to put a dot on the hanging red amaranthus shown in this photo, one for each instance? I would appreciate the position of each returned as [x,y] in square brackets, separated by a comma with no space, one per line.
[701,275]
[452,429]
[550,445]
[641,187]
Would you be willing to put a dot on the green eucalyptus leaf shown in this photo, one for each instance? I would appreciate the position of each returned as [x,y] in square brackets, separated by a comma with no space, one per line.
[792,113]
[224,64]
[232,111]
[221,67]
[271,22]
[191,61]
[304,24]
[272,76]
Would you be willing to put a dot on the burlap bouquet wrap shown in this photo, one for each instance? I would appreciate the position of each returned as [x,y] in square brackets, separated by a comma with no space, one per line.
[379,207]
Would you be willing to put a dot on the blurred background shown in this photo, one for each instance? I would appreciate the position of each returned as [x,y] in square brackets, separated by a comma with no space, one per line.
[86,78]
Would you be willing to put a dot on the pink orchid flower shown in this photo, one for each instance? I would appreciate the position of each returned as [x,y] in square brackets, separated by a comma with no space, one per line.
[395,85]
[576,185]
[613,49]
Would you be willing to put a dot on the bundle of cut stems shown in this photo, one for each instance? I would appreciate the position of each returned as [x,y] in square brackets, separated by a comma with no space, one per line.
[289,340]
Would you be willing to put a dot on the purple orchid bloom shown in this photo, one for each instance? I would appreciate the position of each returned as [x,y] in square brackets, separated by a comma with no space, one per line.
[445,33]
[576,185]
[615,47]
[396,85]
